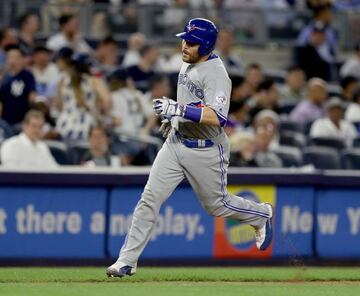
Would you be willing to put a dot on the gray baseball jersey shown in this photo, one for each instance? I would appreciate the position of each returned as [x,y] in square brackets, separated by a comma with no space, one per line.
[204,84]
[207,84]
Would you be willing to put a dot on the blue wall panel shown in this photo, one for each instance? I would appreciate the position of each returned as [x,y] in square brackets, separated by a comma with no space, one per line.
[52,222]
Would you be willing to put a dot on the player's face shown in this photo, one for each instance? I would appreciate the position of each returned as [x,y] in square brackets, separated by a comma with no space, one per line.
[190,52]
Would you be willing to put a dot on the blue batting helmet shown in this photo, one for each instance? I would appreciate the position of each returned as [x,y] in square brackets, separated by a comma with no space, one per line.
[200,31]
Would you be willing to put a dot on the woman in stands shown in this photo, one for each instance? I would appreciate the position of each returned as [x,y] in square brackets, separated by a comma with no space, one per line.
[84,100]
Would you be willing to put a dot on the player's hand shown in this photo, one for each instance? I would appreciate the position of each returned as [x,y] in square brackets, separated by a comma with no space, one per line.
[165,127]
[167,107]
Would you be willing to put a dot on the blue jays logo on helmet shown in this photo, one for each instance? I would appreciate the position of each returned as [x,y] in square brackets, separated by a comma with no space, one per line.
[200,31]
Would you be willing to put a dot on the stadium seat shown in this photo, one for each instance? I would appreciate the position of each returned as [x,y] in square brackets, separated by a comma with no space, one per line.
[77,150]
[334,90]
[290,156]
[59,151]
[322,157]
[5,130]
[287,124]
[328,142]
[295,139]
[351,159]
[356,142]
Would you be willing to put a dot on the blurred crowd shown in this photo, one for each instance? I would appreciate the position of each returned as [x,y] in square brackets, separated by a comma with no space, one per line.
[64,101]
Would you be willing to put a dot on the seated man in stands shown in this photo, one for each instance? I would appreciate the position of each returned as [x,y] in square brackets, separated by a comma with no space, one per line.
[294,89]
[266,97]
[99,154]
[333,125]
[312,108]
[27,150]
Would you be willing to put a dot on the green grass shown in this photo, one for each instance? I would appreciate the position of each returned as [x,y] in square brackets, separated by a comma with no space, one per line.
[210,281]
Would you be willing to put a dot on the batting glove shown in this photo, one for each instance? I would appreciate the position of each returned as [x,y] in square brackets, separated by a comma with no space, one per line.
[167,107]
[165,127]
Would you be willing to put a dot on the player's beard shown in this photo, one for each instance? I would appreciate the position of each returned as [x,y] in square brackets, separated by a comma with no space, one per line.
[191,59]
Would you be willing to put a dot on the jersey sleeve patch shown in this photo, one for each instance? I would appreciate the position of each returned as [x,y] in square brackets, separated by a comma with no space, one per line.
[221,99]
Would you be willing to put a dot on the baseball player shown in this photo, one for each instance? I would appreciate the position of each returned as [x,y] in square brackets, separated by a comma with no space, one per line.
[196,148]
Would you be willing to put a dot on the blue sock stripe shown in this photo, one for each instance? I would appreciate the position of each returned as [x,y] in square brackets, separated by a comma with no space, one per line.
[221,151]
[222,172]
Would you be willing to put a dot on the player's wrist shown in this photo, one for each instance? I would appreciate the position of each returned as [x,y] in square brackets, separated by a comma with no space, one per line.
[193,113]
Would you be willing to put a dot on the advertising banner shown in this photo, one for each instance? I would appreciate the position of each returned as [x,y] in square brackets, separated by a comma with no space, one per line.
[52,222]
[183,228]
[294,222]
[338,223]
[234,239]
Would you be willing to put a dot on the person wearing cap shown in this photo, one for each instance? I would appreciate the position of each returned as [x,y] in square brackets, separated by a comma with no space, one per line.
[82,98]
[315,56]
[351,66]
[322,16]
[333,125]
[44,71]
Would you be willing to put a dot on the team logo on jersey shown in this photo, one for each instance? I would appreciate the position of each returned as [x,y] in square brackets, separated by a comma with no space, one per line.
[17,88]
[191,86]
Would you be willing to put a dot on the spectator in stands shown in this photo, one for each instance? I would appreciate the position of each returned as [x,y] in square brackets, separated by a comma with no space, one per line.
[352,113]
[313,107]
[253,76]
[266,97]
[17,89]
[264,156]
[314,56]
[224,46]
[326,48]
[254,150]
[44,71]
[159,87]
[240,89]
[351,66]
[127,104]
[27,150]
[294,89]
[238,118]
[142,73]
[98,153]
[132,55]
[83,99]
[333,125]
[63,59]
[69,36]
[106,55]
[29,25]
[7,37]
[268,120]
[243,150]
[348,84]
